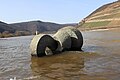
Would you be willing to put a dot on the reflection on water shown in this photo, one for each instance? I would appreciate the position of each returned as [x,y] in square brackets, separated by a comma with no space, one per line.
[99,61]
[58,66]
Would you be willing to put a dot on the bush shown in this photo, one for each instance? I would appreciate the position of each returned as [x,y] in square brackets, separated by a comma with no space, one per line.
[22,33]
[6,34]
[0,35]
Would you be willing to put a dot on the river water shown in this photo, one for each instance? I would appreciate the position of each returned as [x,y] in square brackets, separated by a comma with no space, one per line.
[100,59]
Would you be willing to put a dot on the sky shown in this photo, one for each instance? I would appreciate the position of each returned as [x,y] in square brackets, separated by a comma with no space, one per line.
[58,11]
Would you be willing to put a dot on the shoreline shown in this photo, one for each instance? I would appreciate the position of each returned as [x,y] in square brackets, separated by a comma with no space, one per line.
[81,29]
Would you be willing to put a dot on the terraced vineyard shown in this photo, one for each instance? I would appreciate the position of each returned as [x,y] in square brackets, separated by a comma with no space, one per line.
[96,24]
[106,16]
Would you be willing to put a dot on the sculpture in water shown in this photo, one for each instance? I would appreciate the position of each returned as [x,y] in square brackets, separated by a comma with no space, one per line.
[67,38]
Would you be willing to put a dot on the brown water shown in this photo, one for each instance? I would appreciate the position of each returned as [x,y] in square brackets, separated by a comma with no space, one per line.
[99,61]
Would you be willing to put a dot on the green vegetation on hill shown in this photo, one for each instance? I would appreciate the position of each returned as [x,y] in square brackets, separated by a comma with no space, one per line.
[95,24]
[105,17]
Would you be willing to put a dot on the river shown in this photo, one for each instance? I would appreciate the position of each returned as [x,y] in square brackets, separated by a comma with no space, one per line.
[100,59]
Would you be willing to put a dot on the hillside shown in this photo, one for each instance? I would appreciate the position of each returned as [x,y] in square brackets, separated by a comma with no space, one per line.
[32,26]
[106,16]
[28,28]
[6,27]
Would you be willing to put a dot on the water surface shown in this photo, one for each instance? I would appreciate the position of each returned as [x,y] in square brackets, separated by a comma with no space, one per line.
[99,61]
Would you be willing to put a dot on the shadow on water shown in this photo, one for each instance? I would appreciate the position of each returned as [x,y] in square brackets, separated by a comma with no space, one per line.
[70,65]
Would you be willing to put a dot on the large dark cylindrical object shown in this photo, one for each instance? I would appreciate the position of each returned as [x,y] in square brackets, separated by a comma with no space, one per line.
[70,38]
[76,37]
[39,44]
[63,39]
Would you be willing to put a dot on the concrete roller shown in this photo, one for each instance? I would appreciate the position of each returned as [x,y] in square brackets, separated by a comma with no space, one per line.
[40,43]
[69,38]
[63,39]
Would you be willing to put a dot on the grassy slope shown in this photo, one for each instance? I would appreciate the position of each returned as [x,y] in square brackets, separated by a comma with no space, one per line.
[96,24]
[106,16]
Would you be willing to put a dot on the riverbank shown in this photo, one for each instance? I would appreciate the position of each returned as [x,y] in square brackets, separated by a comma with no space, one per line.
[7,35]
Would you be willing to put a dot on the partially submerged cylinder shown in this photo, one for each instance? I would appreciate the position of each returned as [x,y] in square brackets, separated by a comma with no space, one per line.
[40,43]
[63,39]
[75,35]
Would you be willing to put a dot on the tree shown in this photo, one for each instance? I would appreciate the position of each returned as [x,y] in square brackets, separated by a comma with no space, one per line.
[22,33]
[7,34]
[0,35]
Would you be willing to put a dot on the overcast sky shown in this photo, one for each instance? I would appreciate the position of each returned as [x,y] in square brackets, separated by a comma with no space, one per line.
[59,11]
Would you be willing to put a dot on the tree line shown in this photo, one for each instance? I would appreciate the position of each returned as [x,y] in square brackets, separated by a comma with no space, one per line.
[16,33]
